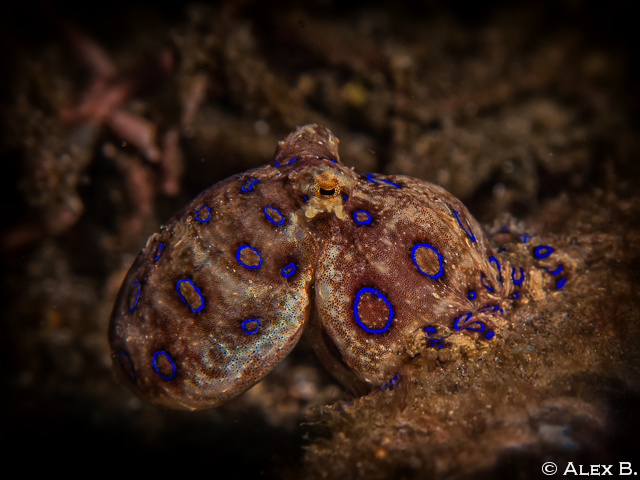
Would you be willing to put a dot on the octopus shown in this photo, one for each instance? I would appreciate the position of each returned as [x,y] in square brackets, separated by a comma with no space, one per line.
[373,269]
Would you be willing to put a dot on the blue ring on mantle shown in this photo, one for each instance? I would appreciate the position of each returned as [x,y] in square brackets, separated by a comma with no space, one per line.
[248,185]
[525,237]
[293,269]
[493,259]
[389,182]
[135,302]
[456,322]
[155,367]
[542,251]
[208,214]
[197,291]
[520,279]
[479,327]
[242,247]
[271,218]
[287,163]
[244,322]
[363,222]
[122,353]
[370,178]
[390,382]
[158,251]
[556,271]
[490,308]
[413,258]
[376,293]
[470,232]
[488,287]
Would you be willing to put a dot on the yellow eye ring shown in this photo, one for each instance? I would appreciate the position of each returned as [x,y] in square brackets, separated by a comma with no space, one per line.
[326,188]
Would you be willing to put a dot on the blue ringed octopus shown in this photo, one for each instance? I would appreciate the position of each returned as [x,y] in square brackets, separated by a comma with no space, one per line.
[374,269]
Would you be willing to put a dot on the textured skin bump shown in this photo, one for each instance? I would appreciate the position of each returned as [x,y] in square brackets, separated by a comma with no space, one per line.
[374,268]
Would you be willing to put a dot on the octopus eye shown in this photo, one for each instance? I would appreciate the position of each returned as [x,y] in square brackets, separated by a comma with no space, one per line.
[326,187]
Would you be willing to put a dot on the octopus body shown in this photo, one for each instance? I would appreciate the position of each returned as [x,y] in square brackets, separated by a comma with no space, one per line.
[372,268]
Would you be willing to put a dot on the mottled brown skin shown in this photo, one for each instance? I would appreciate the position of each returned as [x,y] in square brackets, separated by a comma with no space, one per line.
[384,267]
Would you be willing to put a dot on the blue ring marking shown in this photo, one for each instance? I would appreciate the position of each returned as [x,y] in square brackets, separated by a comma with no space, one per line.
[520,279]
[471,295]
[479,327]
[485,285]
[561,282]
[413,258]
[155,367]
[556,271]
[242,247]
[248,185]
[389,382]
[293,269]
[430,330]
[515,295]
[390,183]
[369,177]
[244,323]
[542,251]
[456,322]
[490,308]
[379,295]
[490,334]
[197,291]
[137,296]
[470,232]
[283,164]
[126,357]
[333,160]
[525,237]
[158,251]
[271,218]
[364,222]
[208,214]
[493,259]
[344,196]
